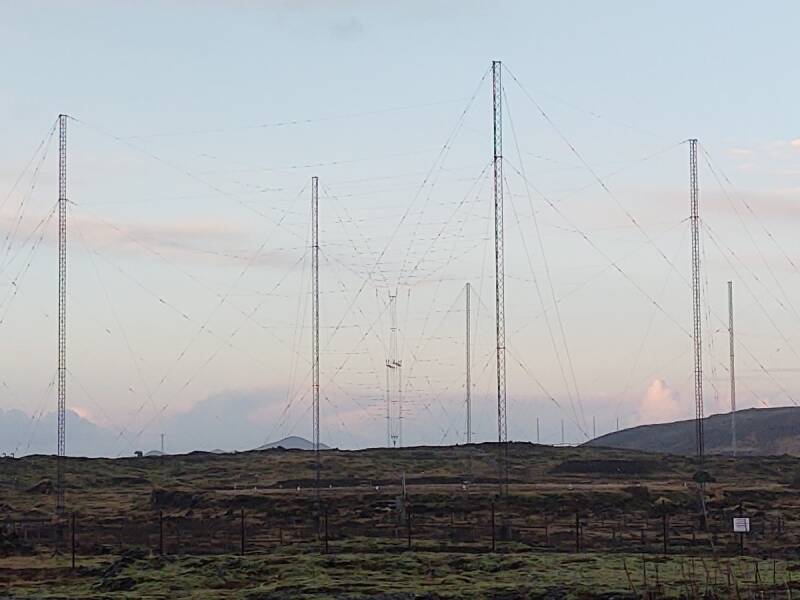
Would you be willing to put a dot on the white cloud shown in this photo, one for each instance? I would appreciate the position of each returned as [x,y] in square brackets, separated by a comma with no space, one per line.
[206,241]
[660,404]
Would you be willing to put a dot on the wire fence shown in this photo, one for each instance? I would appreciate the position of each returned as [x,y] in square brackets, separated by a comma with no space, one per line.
[406,526]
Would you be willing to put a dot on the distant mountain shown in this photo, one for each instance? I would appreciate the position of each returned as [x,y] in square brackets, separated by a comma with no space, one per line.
[229,419]
[759,432]
[21,434]
[292,442]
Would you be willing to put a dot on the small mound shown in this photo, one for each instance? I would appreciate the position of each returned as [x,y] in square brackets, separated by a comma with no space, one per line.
[160,498]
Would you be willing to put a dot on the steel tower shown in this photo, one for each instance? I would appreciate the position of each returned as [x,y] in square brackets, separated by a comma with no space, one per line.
[696,304]
[315,324]
[732,368]
[62,310]
[468,382]
[499,272]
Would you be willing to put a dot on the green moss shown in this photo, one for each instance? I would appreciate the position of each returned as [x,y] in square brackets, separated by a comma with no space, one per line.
[419,574]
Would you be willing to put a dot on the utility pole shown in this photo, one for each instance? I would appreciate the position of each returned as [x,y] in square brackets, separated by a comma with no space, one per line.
[696,306]
[594,427]
[394,381]
[62,310]
[538,439]
[468,383]
[499,275]
[732,368]
[162,444]
[563,440]
[315,326]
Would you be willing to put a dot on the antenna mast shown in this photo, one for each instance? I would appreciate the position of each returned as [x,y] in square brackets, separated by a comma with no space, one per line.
[394,398]
[62,309]
[315,323]
[499,272]
[698,345]
[732,370]
[468,383]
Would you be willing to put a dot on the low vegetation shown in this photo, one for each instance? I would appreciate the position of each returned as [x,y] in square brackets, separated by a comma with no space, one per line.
[577,522]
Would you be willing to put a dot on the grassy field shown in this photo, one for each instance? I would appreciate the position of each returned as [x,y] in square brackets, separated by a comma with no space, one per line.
[284,574]
[128,510]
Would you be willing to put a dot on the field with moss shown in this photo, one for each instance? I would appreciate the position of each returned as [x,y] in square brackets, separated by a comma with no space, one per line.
[425,522]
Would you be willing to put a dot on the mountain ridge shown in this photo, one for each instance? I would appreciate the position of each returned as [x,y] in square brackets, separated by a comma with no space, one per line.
[291,442]
[760,432]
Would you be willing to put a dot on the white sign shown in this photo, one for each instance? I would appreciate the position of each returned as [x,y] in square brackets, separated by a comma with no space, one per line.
[741,525]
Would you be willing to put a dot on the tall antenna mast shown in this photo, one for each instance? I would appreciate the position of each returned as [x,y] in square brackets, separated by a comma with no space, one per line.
[394,398]
[315,323]
[468,383]
[62,309]
[698,342]
[499,275]
[732,369]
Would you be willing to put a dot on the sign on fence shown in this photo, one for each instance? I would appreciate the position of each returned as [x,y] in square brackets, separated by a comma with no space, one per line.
[741,525]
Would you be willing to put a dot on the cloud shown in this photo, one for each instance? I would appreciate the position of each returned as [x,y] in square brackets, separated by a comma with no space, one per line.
[230,420]
[777,149]
[198,241]
[188,240]
[36,434]
[769,158]
[660,404]
[83,413]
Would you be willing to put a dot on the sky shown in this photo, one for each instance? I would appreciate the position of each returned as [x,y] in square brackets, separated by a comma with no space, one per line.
[194,130]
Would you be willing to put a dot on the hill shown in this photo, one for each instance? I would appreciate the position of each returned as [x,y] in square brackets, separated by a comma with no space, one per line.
[293,442]
[760,432]
[427,521]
